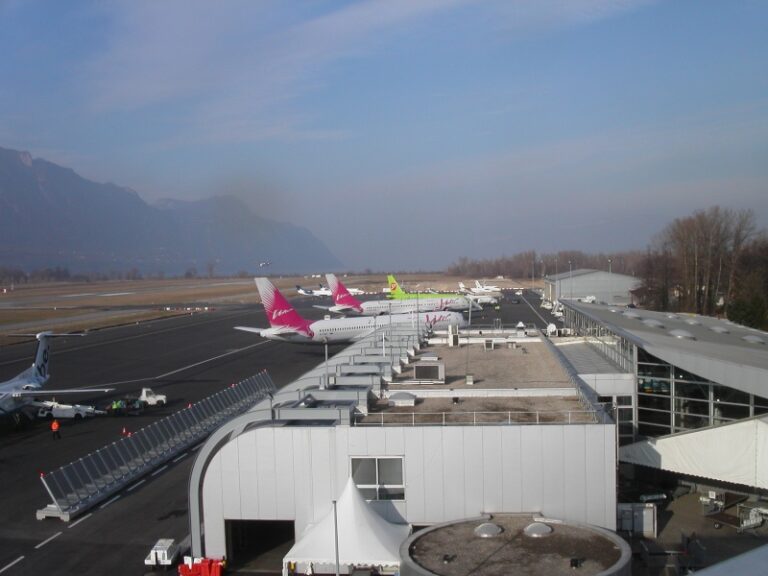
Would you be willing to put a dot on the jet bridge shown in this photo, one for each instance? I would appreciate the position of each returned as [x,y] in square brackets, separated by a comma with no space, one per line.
[80,485]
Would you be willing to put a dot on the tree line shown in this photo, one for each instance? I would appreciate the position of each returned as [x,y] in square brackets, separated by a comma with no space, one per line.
[713,262]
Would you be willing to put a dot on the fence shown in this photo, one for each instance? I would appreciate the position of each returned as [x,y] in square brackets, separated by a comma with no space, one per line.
[479,418]
[80,485]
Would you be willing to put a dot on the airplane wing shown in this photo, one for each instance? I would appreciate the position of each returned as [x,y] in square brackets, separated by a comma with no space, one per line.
[52,392]
[276,330]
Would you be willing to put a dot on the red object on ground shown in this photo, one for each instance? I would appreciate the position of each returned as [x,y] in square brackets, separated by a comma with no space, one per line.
[202,567]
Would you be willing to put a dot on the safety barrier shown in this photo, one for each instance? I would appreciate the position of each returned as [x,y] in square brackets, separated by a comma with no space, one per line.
[80,485]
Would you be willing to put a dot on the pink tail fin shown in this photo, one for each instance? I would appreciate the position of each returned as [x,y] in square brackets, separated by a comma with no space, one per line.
[340,294]
[279,312]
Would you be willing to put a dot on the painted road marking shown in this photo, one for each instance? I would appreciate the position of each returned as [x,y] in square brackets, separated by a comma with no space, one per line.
[179,457]
[159,470]
[139,483]
[172,372]
[81,519]
[4,568]
[108,502]
[44,542]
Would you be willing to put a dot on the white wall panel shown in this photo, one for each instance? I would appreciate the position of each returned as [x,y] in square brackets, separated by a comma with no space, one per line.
[453,473]
[284,475]
[302,464]
[493,475]
[433,474]
[248,474]
[376,441]
[512,473]
[320,444]
[215,542]
[230,481]
[532,470]
[574,446]
[473,471]
[394,440]
[267,470]
[554,473]
[414,476]
[595,468]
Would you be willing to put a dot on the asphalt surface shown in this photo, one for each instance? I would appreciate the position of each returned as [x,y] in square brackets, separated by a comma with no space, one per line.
[187,358]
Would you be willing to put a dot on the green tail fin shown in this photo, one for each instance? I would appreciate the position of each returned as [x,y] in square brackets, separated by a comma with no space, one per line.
[394,288]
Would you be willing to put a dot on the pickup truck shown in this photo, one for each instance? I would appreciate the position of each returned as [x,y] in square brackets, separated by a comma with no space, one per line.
[151,398]
[52,409]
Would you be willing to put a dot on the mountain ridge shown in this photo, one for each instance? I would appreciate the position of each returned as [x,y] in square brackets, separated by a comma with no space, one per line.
[52,216]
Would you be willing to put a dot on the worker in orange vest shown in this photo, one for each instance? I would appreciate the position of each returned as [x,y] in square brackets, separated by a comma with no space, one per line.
[55,429]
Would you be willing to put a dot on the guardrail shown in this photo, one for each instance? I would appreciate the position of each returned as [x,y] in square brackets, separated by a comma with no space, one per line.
[478,418]
[80,485]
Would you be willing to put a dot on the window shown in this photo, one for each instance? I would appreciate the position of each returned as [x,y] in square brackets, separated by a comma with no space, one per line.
[379,478]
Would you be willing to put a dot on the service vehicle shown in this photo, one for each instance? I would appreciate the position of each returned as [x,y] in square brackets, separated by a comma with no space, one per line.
[151,398]
[164,553]
[51,409]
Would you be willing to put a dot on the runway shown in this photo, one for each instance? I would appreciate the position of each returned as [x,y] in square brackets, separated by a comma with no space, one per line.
[187,358]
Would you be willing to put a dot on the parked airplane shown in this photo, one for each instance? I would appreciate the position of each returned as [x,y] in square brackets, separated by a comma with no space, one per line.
[322,291]
[479,298]
[17,394]
[397,293]
[486,287]
[286,323]
[344,302]
[480,289]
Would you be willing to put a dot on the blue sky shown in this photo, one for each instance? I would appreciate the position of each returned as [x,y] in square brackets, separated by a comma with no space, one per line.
[405,133]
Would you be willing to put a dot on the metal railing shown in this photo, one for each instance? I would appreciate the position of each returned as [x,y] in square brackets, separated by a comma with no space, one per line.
[479,418]
[79,485]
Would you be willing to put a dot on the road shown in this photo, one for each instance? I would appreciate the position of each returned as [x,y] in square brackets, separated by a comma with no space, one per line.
[187,358]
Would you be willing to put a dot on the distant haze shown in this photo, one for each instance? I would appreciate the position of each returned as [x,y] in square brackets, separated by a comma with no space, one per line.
[404,134]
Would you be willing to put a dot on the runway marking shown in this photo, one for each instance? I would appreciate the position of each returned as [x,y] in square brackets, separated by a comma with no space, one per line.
[44,542]
[120,382]
[108,502]
[159,470]
[81,519]
[4,568]
[139,483]
[117,294]
[172,372]
[179,457]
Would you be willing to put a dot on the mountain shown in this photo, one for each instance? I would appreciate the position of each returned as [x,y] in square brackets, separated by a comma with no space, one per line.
[51,216]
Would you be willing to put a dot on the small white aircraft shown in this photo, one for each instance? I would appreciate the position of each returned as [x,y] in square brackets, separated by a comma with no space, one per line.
[322,291]
[17,394]
[344,303]
[479,290]
[287,325]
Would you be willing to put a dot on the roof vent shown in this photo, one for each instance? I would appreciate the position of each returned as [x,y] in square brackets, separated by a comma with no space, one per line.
[692,322]
[682,334]
[488,530]
[653,323]
[752,338]
[719,329]
[630,314]
[537,530]
[402,399]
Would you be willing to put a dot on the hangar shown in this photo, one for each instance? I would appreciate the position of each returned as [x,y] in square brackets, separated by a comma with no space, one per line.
[584,283]
[496,423]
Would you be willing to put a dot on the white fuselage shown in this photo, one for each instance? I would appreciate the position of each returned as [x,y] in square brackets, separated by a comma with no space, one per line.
[27,380]
[341,330]
[379,307]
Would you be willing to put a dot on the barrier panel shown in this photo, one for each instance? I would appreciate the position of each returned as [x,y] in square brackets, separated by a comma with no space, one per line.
[80,485]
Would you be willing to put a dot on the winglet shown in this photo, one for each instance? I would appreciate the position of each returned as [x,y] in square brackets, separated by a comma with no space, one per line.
[340,294]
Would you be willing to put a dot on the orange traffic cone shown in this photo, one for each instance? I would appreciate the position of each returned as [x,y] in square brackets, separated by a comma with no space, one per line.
[124,432]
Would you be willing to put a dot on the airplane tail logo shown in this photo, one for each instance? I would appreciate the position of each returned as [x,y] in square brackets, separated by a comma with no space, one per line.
[340,294]
[394,287]
[279,312]
[42,356]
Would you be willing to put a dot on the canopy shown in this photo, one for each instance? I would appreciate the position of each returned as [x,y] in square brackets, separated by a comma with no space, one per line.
[735,452]
[365,538]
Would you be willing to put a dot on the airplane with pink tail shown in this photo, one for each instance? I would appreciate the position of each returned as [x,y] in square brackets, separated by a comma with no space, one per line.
[345,303]
[287,325]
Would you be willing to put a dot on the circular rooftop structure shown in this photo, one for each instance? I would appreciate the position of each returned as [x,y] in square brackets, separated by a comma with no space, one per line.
[523,545]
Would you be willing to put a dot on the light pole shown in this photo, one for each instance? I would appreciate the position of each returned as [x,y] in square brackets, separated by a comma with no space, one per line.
[570,278]
[557,286]
[533,270]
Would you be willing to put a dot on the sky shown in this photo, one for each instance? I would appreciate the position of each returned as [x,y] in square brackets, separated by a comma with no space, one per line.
[405,133]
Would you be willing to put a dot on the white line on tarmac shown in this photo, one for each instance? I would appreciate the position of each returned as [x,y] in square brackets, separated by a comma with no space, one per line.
[172,372]
[159,470]
[44,542]
[108,502]
[546,323]
[81,519]
[4,568]
[179,457]
[139,483]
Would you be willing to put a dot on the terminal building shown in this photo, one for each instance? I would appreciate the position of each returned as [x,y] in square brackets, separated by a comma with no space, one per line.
[468,425]
[696,389]
[586,283]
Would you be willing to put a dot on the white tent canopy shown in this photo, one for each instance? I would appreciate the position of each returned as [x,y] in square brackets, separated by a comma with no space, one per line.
[736,452]
[365,538]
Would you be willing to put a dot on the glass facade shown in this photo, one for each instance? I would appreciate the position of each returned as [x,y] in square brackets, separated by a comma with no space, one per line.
[669,399]
[379,478]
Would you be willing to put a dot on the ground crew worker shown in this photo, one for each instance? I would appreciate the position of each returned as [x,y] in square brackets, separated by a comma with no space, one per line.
[55,429]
